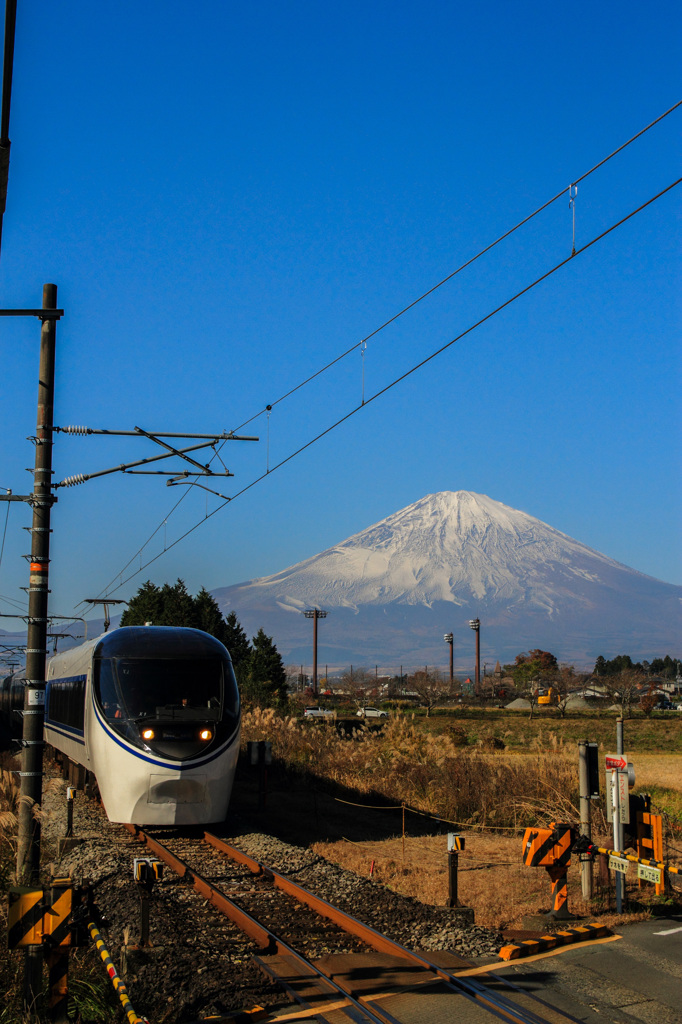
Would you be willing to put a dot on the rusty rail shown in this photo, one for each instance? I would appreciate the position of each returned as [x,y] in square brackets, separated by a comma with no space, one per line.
[497,1005]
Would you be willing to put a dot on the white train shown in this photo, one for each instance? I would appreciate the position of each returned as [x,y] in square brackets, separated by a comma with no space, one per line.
[153,713]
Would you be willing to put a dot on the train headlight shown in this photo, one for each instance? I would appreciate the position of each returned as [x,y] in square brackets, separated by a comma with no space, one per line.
[147,734]
[206,734]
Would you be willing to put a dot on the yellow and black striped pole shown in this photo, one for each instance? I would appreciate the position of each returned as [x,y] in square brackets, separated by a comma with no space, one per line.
[559,880]
[116,981]
[551,848]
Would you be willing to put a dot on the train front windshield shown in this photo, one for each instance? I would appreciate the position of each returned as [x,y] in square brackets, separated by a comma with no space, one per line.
[139,688]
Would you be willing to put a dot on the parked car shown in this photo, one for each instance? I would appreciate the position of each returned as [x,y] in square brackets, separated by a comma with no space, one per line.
[371,713]
[665,705]
[318,713]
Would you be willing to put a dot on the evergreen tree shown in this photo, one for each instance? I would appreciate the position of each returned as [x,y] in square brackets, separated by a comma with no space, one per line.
[145,606]
[266,683]
[178,607]
[621,663]
[209,617]
[239,647]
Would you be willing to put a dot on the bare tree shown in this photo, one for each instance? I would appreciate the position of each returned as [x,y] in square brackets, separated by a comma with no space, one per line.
[531,695]
[565,681]
[624,689]
[294,680]
[356,683]
[429,687]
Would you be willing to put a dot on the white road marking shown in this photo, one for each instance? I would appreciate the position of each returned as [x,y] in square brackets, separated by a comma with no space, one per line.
[669,931]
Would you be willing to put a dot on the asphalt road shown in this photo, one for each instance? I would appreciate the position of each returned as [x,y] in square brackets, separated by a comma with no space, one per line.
[636,979]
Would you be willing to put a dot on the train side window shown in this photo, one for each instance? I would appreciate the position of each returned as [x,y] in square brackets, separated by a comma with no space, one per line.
[66,702]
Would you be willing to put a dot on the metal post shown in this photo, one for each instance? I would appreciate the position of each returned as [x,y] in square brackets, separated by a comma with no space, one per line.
[262,776]
[315,653]
[453,861]
[145,895]
[620,879]
[31,774]
[70,794]
[475,624]
[615,804]
[58,981]
[585,819]
[314,614]
[450,641]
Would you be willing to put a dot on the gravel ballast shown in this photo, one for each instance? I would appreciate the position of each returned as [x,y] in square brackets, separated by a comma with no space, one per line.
[198,964]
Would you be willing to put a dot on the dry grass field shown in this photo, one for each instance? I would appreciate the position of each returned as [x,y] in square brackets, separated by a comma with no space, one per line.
[486,779]
[658,770]
[491,878]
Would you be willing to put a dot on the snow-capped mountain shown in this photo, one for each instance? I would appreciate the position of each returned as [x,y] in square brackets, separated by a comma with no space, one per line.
[394,588]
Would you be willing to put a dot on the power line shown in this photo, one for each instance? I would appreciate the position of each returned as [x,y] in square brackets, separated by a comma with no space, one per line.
[13,603]
[4,534]
[408,373]
[463,266]
[405,309]
[154,532]
[7,69]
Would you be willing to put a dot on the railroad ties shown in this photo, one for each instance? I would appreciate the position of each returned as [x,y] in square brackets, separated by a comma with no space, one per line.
[363,977]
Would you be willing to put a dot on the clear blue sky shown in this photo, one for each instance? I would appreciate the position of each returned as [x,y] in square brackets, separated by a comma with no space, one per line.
[229,195]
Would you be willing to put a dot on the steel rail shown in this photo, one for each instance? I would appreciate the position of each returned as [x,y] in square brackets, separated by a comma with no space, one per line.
[473,989]
[265,939]
[349,924]
[269,942]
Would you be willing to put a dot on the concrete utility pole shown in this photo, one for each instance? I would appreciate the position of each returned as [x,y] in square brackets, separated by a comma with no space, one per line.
[585,817]
[475,624]
[315,614]
[31,775]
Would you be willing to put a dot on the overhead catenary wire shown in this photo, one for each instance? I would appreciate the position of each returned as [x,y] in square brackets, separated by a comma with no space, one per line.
[13,602]
[363,343]
[7,70]
[417,366]
[4,534]
[462,266]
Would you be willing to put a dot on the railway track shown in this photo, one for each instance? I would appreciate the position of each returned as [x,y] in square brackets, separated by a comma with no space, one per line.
[334,967]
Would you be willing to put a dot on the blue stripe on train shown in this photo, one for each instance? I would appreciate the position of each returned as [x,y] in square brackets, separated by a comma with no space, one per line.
[175,765]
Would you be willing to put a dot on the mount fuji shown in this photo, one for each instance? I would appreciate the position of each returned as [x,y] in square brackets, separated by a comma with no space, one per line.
[394,589]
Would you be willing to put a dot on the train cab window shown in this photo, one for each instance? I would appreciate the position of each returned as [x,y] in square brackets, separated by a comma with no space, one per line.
[176,707]
[185,686]
[138,688]
[107,694]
